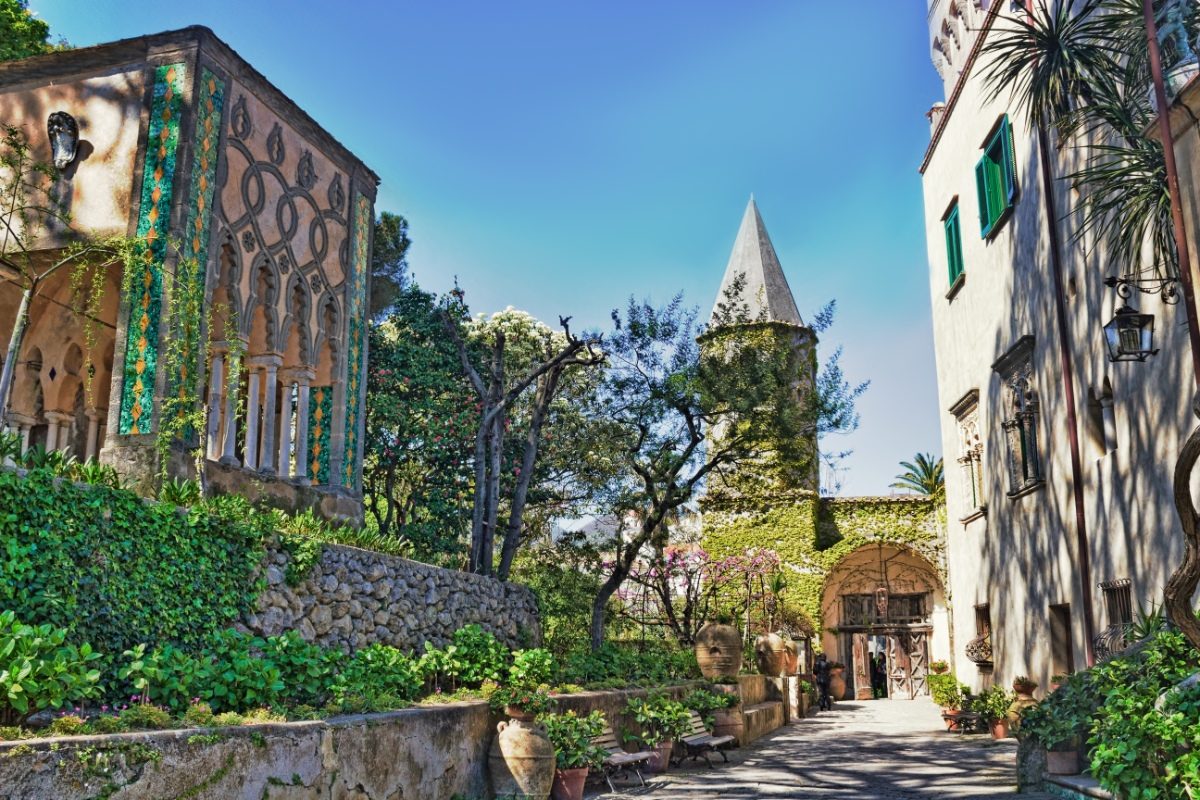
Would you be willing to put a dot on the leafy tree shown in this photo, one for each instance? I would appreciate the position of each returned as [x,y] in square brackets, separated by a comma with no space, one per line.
[21,33]
[389,262]
[665,396]
[922,475]
[420,416]
[543,360]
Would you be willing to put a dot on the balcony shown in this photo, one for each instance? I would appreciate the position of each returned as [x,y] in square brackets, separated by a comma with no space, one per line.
[979,649]
[1111,641]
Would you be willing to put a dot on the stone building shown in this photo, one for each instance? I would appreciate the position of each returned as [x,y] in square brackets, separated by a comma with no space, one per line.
[869,572]
[1058,461]
[235,191]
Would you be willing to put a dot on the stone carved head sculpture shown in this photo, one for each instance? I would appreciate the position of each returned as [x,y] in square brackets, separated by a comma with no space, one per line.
[64,138]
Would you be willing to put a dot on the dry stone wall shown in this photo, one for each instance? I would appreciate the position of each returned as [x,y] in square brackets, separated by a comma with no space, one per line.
[352,598]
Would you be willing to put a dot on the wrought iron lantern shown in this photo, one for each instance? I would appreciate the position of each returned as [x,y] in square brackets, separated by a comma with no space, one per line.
[1130,335]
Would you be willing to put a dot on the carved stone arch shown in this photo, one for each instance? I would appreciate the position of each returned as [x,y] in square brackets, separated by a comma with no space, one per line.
[262,316]
[28,391]
[225,296]
[297,327]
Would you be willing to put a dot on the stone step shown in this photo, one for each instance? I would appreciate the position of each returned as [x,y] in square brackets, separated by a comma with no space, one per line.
[1076,787]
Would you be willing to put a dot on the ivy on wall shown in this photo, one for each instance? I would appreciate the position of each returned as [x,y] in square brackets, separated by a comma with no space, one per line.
[117,571]
[812,536]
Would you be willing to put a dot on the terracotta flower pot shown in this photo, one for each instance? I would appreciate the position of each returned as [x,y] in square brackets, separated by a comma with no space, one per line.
[1000,729]
[660,757]
[837,683]
[1024,688]
[951,718]
[568,783]
[719,651]
[521,760]
[1063,762]
[729,722]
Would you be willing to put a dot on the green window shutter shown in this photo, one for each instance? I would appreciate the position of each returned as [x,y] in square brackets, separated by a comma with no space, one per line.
[997,199]
[1010,160]
[985,221]
[953,245]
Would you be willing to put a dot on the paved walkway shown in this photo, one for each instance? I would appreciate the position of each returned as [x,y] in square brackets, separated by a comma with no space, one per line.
[872,750]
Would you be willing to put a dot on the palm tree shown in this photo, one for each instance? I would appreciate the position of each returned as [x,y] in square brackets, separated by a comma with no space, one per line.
[924,476]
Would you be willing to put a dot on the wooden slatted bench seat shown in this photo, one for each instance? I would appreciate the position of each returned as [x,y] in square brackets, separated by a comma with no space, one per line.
[617,760]
[698,742]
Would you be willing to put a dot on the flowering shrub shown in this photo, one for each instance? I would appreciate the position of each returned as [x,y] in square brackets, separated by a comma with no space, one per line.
[524,698]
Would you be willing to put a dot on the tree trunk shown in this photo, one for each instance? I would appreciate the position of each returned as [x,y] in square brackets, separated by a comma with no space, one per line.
[477,514]
[603,595]
[20,324]
[495,451]
[1181,586]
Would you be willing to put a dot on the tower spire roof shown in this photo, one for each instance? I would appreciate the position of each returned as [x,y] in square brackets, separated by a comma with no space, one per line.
[765,292]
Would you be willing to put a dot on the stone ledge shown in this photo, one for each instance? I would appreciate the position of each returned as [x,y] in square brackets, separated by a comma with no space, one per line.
[761,719]
[1076,787]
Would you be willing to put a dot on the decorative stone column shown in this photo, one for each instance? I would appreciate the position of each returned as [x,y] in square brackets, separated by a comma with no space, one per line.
[22,426]
[229,455]
[216,380]
[93,433]
[57,430]
[266,453]
[284,468]
[252,417]
[303,379]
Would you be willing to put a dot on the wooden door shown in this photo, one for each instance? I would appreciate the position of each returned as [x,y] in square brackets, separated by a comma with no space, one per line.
[862,667]
[899,666]
[918,659]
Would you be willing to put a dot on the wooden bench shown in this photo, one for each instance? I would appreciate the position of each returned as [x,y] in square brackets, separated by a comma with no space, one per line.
[698,742]
[617,760]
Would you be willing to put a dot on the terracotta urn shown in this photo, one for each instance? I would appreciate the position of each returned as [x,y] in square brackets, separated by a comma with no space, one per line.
[660,757]
[837,682]
[1017,708]
[719,651]
[729,722]
[568,783]
[1000,728]
[521,760]
[1024,689]
[775,655]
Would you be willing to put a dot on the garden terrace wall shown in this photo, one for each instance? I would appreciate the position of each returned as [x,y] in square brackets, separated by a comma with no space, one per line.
[429,752]
[352,598]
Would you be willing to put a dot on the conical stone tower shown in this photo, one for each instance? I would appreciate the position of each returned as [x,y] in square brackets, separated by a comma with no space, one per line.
[755,308]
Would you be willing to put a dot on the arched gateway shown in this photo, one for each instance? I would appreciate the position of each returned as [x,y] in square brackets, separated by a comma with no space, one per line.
[885,600]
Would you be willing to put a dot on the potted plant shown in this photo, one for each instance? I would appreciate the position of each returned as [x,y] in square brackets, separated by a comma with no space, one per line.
[939,667]
[1024,685]
[1060,726]
[993,706]
[521,759]
[574,753]
[1057,681]
[661,721]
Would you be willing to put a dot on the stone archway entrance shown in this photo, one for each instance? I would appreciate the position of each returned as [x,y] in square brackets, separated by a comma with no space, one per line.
[885,619]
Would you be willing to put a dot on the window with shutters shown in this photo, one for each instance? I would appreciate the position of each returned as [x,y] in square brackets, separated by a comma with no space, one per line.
[954,257]
[996,178]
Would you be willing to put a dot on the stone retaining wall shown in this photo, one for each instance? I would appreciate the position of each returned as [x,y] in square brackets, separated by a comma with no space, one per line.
[353,598]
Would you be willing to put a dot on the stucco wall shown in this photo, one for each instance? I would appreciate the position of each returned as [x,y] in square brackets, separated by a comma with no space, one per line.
[1022,556]
[353,598]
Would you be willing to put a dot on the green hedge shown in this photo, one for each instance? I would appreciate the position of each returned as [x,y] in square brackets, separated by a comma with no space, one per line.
[117,571]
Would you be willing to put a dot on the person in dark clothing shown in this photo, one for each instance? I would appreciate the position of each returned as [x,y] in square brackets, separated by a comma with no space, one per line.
[878,675]
[823,675]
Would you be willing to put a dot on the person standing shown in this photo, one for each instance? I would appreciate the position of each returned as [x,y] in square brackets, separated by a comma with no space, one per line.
[823,675]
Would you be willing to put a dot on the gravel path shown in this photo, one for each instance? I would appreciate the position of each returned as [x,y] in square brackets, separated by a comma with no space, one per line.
[870,750]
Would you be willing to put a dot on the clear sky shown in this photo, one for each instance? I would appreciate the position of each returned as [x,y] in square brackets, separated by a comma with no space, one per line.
[559,156]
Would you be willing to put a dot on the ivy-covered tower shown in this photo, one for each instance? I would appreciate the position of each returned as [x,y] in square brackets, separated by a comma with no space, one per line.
[755,309]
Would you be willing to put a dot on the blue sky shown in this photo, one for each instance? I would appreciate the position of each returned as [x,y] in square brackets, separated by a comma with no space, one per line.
[559,156]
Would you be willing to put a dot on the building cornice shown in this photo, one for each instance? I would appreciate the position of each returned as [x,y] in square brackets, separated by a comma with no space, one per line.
[1018,353]
[952,101]
[965,403]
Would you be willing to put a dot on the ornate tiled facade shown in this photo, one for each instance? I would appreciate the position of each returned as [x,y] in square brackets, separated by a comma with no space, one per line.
[356,362]
[145,287]
[319,418]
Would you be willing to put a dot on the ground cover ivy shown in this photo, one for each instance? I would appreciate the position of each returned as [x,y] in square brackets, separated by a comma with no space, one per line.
[116,571]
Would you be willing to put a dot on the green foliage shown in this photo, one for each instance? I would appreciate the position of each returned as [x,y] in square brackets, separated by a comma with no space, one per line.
[946,691]
[179,492]
[198,715]
[145,716]
[379,677]
[704,703]
[993,703]
[39,670]
[389,262]
[118,572]
[922,475]
[21,33]
[659,718]
[302,536]
[472,657]
[623,665]
[240,677]
[572,737]
[529,699]
[308,669]
[532,667]
[66,725]
[564,580]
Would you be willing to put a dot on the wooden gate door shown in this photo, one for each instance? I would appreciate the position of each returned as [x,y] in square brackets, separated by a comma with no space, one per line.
[862,667]
[918,658]
[899,666]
